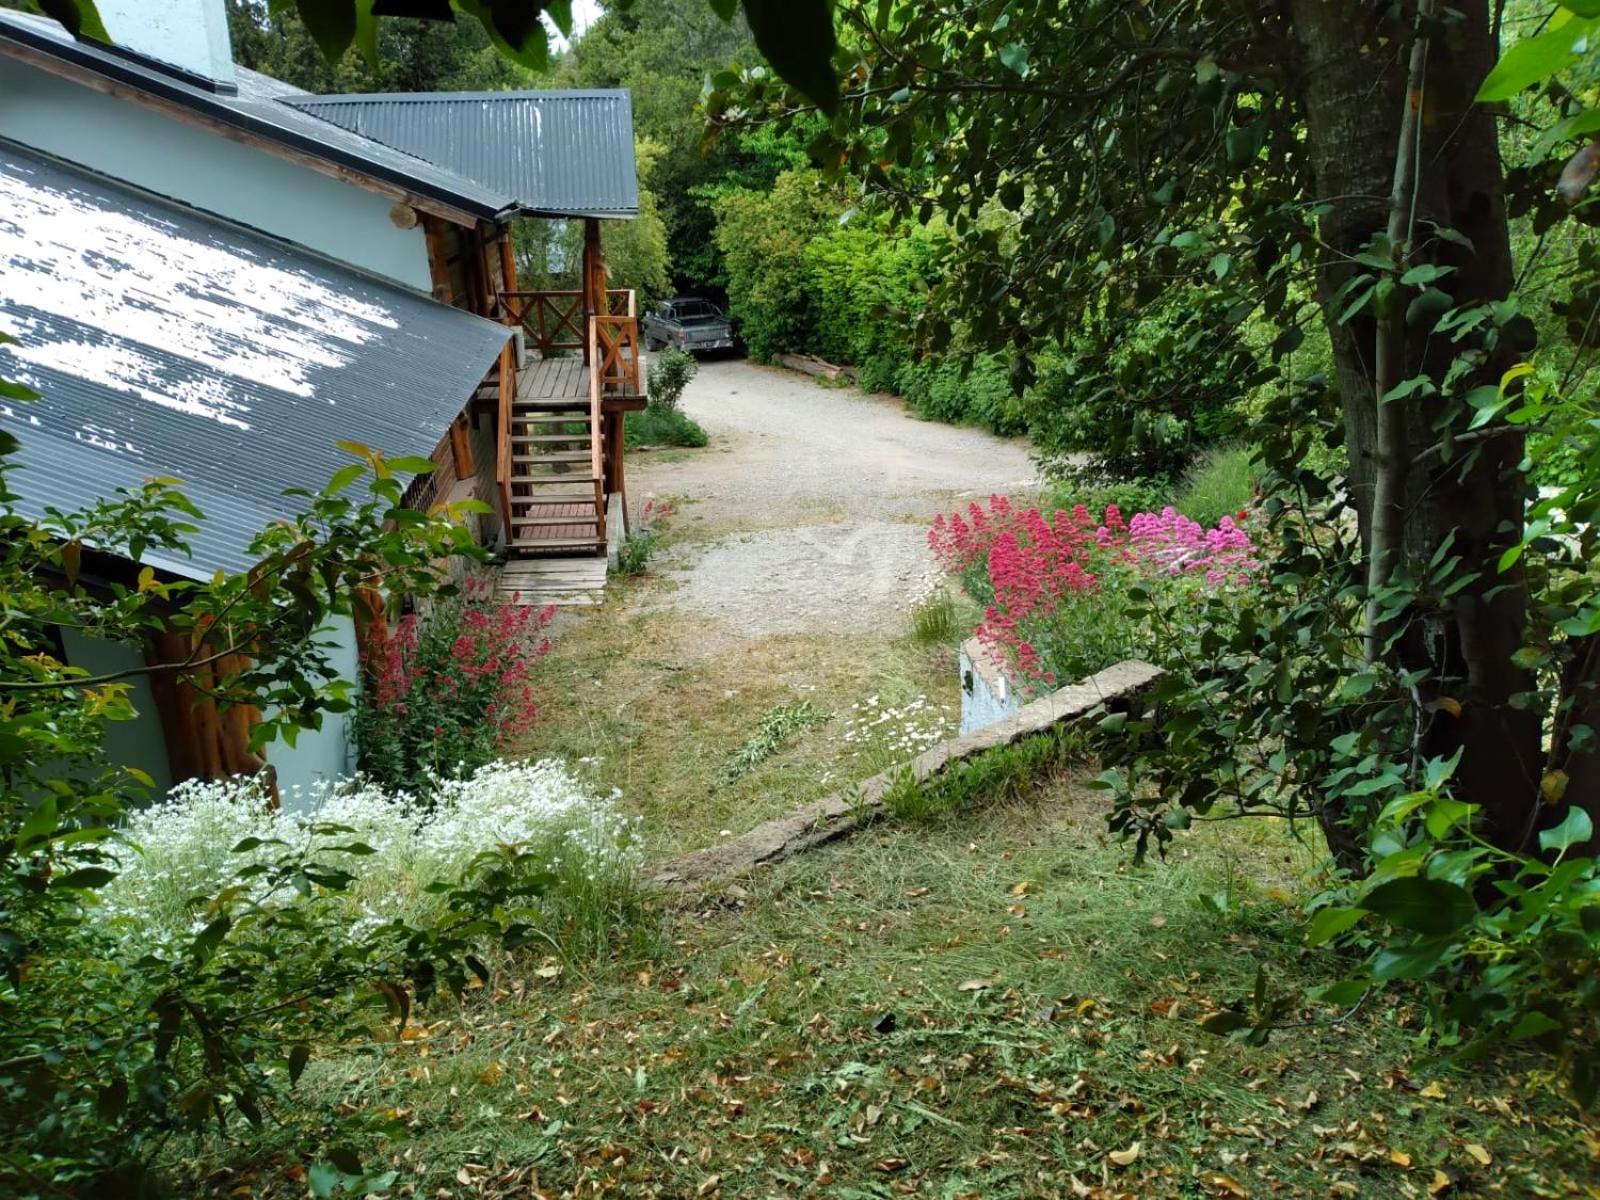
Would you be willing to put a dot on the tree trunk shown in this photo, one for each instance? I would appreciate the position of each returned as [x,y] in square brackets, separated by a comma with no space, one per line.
[1352,81]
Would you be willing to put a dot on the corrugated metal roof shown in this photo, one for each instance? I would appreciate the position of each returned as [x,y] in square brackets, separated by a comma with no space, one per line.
[167,342]
[557,153]
[257,105]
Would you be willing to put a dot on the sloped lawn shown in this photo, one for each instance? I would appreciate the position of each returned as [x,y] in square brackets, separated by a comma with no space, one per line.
[992,1005]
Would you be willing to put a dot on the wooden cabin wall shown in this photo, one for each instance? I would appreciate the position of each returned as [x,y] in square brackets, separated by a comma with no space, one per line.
[204,740]
[469,267]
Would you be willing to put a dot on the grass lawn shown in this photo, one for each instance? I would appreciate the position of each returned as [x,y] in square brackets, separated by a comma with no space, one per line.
[657,703]
[992,1005]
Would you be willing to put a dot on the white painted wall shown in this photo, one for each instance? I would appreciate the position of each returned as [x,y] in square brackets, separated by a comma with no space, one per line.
[192,34]
[318,755]
[137,743]
[323,754]
[195,166]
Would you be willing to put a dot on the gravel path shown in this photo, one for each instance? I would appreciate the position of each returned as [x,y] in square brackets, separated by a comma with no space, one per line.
[810,508]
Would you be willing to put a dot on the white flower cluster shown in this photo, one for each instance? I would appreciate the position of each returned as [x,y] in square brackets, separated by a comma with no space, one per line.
[182,849]
[889,734]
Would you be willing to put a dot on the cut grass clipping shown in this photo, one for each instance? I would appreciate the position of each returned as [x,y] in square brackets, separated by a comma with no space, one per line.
[776,728]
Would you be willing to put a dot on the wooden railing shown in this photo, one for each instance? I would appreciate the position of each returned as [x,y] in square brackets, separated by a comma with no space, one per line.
[615,355]
[502,466]
[596,432]
[554,321]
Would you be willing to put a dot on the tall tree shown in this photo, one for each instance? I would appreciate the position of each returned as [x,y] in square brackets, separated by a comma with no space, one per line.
[1317,155]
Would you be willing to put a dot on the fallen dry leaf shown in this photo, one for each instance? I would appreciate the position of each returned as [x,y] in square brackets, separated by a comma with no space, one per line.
[1434,1091]
[1125,1158]
[974,985]
[1478,1153]
[1399,1158]
[1229,1187]
[708,1185]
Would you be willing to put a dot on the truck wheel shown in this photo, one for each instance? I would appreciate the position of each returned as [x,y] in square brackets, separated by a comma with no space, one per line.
[653,344]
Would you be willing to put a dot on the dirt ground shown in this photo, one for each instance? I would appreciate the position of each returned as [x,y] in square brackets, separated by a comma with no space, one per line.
[810,508]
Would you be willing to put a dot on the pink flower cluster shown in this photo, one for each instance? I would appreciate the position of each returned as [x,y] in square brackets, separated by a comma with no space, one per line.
[478,672]
[1169,542]
[1026,566]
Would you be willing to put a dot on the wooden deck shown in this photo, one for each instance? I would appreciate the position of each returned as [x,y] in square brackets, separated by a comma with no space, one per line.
[553,380]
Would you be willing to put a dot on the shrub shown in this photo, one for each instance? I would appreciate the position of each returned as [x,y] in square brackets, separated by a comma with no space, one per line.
[395,846]
[1133,495]
[1055,590]
[1220,482]
[670,372]
[763,237]
[938,390]
[449,689]
[642,542]
[656,425]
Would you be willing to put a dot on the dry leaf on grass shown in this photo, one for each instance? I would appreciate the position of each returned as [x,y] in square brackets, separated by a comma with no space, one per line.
[1126,1158]
[974,985]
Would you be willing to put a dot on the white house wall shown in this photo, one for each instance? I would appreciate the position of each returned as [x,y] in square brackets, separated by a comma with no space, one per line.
[136,743]
[209,171]
[326,754]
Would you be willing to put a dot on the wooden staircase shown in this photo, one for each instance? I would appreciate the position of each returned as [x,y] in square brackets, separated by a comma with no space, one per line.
[560,420]
[554,476]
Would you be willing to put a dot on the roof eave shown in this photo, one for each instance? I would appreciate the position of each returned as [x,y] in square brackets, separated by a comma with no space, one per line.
[72,61]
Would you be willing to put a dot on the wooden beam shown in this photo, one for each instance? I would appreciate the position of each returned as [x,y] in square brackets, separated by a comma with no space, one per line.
[178,112]
[435,236]
[461,447]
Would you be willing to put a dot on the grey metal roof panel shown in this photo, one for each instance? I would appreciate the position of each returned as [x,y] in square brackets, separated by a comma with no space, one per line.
[557,153]
[167,342]
[257,104]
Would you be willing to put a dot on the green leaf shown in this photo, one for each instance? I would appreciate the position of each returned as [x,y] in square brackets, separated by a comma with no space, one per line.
[344,477]
[1427,906]
[331,24]
[1409,962]
[205,942]
[1534,60]
[796,37]
[1014,57]
[299,1056]
[1575,828]
[412,464]
[1533,1024]
[514,28]
[1329,923]
[80,17]
[85,877]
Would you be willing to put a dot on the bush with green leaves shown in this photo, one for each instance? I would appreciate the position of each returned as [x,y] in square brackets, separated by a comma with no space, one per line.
[763,239]
[975,393]
[670,372]
[656,425]
[1220,482]
[107,1052]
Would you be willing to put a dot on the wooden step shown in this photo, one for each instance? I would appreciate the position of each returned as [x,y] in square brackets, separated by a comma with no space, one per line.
[593,543]
[569,520]
[540,439]
[556,478]
[554,456]
[550,405]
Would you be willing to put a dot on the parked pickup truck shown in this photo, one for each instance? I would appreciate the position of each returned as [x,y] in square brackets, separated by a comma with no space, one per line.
[687,323]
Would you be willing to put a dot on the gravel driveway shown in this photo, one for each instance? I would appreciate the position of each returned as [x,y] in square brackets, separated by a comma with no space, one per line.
[810,508]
